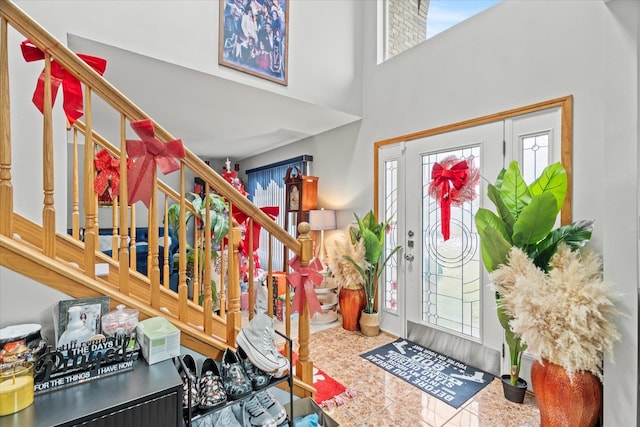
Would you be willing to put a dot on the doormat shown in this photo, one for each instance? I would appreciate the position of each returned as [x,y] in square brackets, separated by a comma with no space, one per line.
[326,387]
[444,378]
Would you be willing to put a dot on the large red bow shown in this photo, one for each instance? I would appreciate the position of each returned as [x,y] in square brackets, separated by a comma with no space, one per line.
[71,88]
[150,152]
[304,280]
[448,180]
[241,217]
[108,169]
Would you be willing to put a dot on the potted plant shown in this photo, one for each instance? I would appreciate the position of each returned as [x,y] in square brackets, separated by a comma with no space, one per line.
[351,295]
[525,219]
[370,234]
[566,317]
[219,225]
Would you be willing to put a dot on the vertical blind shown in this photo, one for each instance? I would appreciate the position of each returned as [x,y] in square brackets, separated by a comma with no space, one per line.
[265,186]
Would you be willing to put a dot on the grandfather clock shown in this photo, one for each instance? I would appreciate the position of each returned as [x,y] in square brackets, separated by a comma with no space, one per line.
[301,196]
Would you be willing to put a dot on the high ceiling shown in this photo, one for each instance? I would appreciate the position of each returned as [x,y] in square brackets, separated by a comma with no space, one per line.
[214,117]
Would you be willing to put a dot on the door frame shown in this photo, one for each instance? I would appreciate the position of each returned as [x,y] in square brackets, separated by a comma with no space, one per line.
[565,104]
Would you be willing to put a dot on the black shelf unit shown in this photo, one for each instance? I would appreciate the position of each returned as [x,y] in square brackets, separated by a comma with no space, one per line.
[190,415]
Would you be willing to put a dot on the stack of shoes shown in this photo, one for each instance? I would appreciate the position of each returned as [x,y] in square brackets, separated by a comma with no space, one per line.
[211,388]
[257,340]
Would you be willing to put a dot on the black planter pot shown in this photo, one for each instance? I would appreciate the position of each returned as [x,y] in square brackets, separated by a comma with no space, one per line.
[513,393]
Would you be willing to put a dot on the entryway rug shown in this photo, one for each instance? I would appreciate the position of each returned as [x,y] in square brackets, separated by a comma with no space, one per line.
[326,387]
[445,378]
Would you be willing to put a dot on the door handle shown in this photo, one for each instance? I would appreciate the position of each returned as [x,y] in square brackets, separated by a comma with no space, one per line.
[409,257]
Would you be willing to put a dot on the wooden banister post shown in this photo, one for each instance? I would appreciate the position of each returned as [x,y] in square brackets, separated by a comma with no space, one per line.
[207,305]
[6,188]
[152,248]
[90,198]
[183,288]
[234,316]
[304,366]
[123,259]
[48,209]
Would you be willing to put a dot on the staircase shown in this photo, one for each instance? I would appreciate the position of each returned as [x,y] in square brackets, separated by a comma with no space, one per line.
[67,260]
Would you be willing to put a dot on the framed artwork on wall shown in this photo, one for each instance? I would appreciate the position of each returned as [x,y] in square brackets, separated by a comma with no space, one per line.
[253,37]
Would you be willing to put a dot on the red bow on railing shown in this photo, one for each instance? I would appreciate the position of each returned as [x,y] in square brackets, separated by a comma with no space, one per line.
[304,280]
[149,153]
[71,88]
[108,174]
[447,181]
[241,217]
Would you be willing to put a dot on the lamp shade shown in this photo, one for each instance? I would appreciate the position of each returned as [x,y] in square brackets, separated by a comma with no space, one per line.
[322,219]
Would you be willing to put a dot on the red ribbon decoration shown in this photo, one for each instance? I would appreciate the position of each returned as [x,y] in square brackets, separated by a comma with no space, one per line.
[108,169]
[150,152]
[304,280]
[72,103]
[241,217]
[445,179]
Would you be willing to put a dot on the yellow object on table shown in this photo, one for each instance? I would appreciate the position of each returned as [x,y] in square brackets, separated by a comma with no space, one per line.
[16,388]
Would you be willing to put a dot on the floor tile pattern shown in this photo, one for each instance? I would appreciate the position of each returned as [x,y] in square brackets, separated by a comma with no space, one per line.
[385,400]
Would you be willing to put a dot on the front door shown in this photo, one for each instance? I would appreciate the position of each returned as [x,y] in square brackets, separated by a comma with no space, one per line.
[438,289]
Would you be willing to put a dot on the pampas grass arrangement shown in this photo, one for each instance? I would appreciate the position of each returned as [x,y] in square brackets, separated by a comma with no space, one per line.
[344,272]
[565,316]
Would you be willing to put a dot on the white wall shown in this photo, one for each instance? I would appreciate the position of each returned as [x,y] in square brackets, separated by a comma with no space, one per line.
[516,54]
[185,32]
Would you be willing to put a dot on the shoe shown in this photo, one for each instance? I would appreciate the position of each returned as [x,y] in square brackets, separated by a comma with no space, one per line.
[259,379]
[225,418]
[236,383]
[212,392]
[273,407]
[255,415]
[257,339]
[261,305]
[189,382]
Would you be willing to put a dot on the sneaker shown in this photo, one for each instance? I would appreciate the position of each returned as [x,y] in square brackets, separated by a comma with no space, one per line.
[259,378]
[257,339]
[273,407]
[212,392]
[236,383]
[261,305]
[255,415]
[190,393]
[225,418]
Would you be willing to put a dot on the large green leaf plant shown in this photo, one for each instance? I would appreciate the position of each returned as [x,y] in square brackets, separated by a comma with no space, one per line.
[372,233]
[526,216]
[218,223]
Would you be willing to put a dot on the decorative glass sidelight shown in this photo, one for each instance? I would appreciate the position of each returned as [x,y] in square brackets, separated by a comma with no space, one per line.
[389,277]
[450,268]
[535,155]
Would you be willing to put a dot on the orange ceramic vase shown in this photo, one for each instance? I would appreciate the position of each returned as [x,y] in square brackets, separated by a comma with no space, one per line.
[562,402]
[351,302]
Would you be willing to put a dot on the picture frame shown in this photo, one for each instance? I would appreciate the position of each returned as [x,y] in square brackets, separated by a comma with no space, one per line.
[89,312]
[253,37]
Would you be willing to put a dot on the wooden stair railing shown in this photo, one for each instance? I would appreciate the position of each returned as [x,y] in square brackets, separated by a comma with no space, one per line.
[31,248]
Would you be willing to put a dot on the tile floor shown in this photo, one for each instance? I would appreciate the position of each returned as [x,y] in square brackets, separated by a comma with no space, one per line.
[385,400]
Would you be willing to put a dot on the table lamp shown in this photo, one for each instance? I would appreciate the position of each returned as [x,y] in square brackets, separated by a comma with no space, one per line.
[321,220]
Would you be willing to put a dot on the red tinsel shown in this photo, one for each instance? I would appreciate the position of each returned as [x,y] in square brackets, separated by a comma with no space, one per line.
[107,182]
[149,152]
[72,103]
[454,182]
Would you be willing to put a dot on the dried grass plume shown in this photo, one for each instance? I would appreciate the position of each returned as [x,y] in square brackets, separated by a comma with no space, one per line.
[338,244]
[565,316]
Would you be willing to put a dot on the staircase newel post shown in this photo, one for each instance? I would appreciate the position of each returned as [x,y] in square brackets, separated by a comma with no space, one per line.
[304,366]
[234,316]
[6,188]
